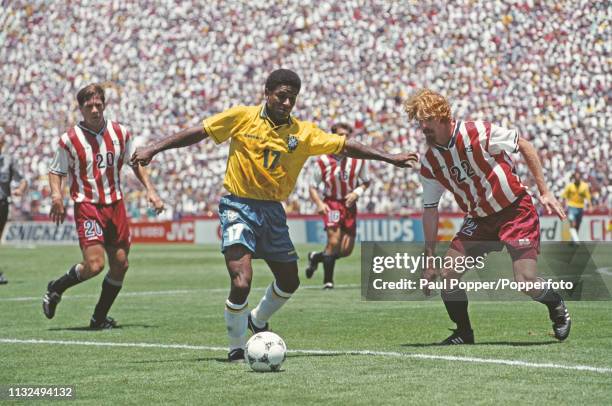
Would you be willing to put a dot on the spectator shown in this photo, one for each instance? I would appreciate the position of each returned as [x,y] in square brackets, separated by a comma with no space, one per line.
[543,65]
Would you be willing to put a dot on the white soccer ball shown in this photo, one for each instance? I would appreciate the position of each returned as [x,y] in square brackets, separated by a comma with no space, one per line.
[265,352]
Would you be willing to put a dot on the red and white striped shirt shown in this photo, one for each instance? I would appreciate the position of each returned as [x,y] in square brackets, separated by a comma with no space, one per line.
[475,167]
[337,176]
[93,162]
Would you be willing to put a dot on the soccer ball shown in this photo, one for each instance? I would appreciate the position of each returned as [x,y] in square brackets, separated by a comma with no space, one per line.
[265,352]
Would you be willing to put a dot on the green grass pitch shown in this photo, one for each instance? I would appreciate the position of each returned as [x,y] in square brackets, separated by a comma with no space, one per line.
[174,295]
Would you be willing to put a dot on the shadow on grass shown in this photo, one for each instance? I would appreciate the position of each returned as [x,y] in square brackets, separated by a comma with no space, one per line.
[86,328]
[506,343]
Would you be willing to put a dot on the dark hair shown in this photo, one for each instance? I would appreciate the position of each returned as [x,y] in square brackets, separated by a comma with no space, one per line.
[283,77]
[337,126]
[90,91]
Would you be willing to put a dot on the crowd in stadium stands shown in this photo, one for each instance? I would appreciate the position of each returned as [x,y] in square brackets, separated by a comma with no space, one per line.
[540,66]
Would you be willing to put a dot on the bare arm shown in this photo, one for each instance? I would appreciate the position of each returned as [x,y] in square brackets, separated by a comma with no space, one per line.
[356,149]
[354,195]
[190,136]
[143,176]
[20,190]
[535,167]
[430,228]
[58,213]
[322,208]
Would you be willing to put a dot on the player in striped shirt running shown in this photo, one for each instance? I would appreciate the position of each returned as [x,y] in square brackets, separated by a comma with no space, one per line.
[342,180]
[92,154]
[472,160]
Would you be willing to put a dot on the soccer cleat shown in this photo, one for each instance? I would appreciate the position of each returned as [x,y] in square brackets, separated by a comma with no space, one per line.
[459,337]
[310,270]
[561,321]
[328,286]
[256,329]
[236,355]
[106,324]
[50,301]
[3,280]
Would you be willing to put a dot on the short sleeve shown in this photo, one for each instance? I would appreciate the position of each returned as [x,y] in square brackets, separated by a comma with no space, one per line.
[565,193]
[502,140]
[61,160]
[221,126]
[432,191]
[320,143]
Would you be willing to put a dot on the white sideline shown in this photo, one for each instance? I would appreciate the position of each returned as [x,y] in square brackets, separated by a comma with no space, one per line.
[587,368]
[160,292]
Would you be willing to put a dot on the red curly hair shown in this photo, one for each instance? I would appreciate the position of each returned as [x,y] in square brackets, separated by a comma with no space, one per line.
[425,104]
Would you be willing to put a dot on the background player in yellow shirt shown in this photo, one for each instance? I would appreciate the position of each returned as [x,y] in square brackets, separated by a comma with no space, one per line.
[578,198]
[267,152]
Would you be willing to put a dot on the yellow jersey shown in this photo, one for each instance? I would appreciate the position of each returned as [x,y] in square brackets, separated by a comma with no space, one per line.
[576,196]
[264,159]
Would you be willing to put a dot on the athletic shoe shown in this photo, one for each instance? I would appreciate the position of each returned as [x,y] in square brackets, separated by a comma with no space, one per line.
[256,329]
[106,324]
[236,355]
[561,321]
[3,280]
[312,267]
[459,337]
[328,286]
[50,301]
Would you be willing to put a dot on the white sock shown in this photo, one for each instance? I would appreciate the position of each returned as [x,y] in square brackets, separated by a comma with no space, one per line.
[574,234]
[236,322]
[273,300]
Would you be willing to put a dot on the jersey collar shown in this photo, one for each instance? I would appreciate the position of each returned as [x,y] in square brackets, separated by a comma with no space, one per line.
[263,114]
[95,134]
[453,139]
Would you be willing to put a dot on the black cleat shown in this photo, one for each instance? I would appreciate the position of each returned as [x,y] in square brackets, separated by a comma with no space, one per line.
[256,329]
[50,301]
[561,321]
[3,280]
[106,324]
[328,286]
[236,355]
[312,267]
[459,337]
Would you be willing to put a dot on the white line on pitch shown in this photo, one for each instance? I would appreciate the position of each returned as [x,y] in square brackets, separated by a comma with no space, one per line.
[495,361]
[605,271]
[162,292]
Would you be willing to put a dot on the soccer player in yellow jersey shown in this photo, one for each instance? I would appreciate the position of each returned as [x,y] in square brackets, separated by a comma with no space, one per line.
[268,149]
[578,197]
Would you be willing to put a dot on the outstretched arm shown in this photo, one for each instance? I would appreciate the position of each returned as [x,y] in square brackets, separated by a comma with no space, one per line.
[356,149]
[535,167]
[190,136]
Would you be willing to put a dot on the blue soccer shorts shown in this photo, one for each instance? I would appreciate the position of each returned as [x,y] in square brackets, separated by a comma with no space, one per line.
[259,225]
[575,214]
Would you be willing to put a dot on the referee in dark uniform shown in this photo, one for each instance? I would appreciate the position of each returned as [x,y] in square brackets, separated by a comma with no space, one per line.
[8,173]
